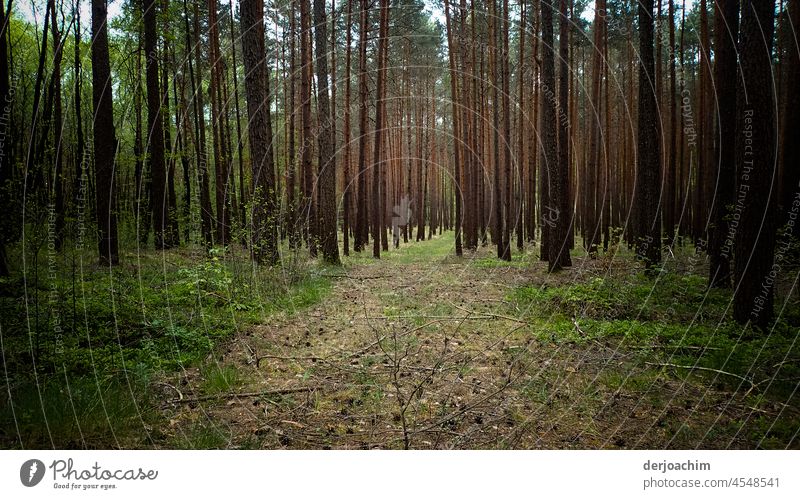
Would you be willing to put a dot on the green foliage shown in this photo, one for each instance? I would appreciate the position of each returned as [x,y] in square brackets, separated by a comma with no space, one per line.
[76,412]
[519,260]
[161,315]
[220,379]
[201,437]
[672,319]
[671,297]
[102,328]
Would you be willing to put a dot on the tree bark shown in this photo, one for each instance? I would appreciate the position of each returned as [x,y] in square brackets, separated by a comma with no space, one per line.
[264,246]
[348,191]
[155,124]
[105,141]
[672,144]
[591,216]
[58,131]
[361,232]
[380,106]
[648,176]
[754,272]
[564,220]
[326,178]
[549,147]
[6,150]
[456,146]
[310,219]
[790,137]
[221,195]
[726,27]
[291,166]
[239,140]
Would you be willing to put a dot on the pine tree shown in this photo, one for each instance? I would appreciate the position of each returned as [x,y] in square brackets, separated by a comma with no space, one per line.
[648,146]
[326,178]
[264,247]
[155,127]
[726,27]
[105,141]
[754,274]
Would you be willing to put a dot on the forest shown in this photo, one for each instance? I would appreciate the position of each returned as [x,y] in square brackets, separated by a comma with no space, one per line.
[400,224]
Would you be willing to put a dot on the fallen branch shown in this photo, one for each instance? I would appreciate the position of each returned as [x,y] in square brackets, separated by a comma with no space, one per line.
[281,357]
[224,396]
[477,317]
[361,277]
[699,368]
[488,315]
[461,411]
[666,347]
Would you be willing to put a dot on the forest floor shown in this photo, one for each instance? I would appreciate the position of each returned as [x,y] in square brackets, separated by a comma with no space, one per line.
[428,351]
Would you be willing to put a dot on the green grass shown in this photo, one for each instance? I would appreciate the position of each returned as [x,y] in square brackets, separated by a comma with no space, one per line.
[220,379]
[518,260]
[119,330]
[154,313]
[200,437]
[672,319]
[77,412]
[671,298]
[165,312]
[432,250]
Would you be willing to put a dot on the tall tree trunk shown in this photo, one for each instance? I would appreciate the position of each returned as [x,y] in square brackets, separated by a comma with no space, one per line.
[172,233]
[307,135]
[456,146]
[669,174]
[230,178]
[142,213]
[206,215]
[155,123]
[682,170]
[533,143]
[508,180]
[462,133]
[326,178]
[380,106]
[182,134]
[495,70]
[348,191]
[726,27]
[239,140]
[221,195]
[58,131]
[549,146]
[32,171]
[591,215]
[6,150]
[790,136]
[80,141]
[648,176]
[564,220]
[363,91]
[754,272]
[521,131]
[264,246]
[105,140]
[291,175]
[703,195]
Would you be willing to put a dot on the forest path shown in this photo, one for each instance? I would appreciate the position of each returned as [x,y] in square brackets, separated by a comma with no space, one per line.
[423,350]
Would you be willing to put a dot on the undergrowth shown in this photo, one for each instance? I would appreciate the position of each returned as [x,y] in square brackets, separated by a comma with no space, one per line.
[83,344]
[673,319]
